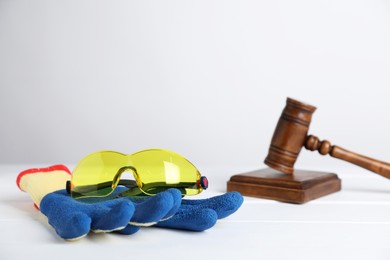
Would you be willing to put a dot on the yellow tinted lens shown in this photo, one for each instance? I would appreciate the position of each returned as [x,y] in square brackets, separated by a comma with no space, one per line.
[94,174]
[159,170]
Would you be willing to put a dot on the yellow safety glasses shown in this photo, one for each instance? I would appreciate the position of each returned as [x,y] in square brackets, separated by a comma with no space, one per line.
[154,170]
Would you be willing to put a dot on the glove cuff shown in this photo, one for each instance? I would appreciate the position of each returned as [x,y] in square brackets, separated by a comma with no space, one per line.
[38,182]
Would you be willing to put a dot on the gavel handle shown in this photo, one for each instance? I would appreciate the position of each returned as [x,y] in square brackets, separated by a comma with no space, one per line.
[312,143]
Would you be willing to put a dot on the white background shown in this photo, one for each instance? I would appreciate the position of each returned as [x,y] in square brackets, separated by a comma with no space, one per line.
[207,79]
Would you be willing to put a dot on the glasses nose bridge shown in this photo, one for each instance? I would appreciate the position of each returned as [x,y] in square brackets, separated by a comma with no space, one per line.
[121,170]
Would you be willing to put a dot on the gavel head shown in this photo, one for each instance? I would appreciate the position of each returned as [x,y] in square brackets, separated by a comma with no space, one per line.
[289,136]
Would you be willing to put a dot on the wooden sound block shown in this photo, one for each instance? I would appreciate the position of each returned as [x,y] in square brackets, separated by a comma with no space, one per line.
[300,187]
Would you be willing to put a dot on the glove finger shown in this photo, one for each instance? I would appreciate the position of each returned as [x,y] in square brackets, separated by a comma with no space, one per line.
[67,224]
[153,209]
[224,205]
[193,220]
[177,198]
[114,217]
[74,227]
[73,219]
[129,230]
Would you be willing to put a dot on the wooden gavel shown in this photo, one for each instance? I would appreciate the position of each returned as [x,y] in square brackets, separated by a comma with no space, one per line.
[291,134]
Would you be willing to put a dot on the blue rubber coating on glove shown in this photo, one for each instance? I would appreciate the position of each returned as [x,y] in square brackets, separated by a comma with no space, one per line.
[164,204]
[169,200]
[224,205]
[72,219]
[143,212]
[191,219]
[199,215]
[129,230]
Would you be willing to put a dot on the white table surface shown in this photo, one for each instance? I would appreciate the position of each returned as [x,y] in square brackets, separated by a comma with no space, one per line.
[351,224]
